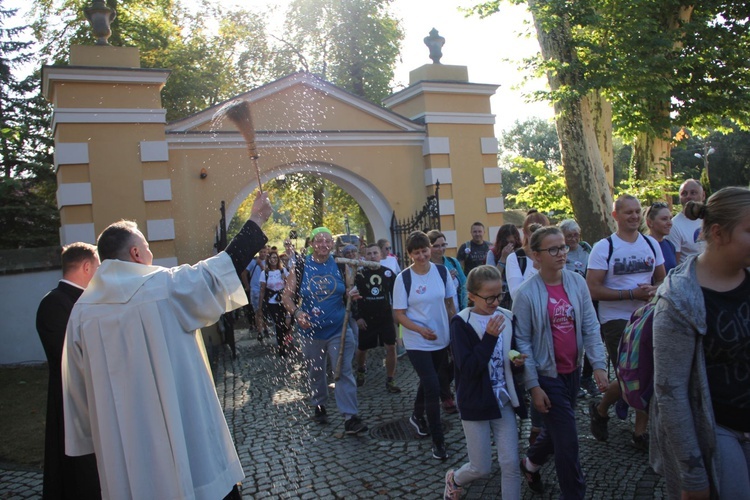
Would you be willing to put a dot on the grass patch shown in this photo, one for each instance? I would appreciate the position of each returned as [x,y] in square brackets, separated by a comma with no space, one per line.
[23,406]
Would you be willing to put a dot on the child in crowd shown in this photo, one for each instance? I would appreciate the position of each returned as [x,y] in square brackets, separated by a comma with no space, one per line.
[481,342]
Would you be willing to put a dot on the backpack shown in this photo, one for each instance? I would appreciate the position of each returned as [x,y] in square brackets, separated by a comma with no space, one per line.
[407,277]
[635,358]
[612,249]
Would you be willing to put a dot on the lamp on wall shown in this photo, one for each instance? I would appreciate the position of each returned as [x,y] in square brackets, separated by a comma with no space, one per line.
[204,174]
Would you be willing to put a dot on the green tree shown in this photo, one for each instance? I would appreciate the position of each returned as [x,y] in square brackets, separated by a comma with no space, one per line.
[28,214]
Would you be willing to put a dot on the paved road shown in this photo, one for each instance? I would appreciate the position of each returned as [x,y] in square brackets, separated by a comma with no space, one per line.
[286,455]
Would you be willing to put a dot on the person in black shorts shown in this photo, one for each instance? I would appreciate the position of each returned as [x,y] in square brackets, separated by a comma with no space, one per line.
[374,315]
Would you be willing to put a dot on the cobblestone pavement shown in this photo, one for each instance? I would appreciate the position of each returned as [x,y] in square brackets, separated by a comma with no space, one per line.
[286,455]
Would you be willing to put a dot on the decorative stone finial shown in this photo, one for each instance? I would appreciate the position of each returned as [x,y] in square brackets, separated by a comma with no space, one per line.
[100,16]
[435,42]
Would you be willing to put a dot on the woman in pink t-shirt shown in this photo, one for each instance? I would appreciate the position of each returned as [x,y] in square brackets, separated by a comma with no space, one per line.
[555,322]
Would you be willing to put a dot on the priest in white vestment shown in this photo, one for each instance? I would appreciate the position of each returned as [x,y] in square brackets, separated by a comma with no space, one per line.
[137,387]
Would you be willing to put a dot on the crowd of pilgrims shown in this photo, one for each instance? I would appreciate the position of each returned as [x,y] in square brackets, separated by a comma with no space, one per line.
[525,325]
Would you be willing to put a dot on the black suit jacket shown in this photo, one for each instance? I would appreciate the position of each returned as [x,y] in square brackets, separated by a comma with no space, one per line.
[64,477]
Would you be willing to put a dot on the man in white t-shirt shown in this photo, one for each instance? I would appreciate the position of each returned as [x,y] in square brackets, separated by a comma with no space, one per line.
[685,233]
[624,271]
[250,278]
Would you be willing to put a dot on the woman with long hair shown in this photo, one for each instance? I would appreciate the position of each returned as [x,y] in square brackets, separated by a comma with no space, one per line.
[520,266]
[701,414]
[507,241]
[659,222]
[271,308]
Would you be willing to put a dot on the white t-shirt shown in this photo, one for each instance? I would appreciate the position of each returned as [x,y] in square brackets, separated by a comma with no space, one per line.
[275,283]
[391,262]
[684,235]
[513,272]
[425,306]
[630,265]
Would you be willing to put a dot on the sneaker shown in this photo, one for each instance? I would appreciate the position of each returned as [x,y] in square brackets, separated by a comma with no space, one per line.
[590,386]
[391,387]
[598,423]
[321,416]
[621,409]
[420,425]
[354,426]
[449,406]
[452,491]
[438,451]
[360,378]
[533,479]
[641,442]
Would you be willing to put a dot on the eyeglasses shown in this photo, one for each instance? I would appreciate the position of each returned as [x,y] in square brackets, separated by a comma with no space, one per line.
[491,299]
[553,251]
[387,248]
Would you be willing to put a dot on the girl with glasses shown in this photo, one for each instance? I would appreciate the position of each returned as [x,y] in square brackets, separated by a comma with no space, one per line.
[659,222]
[481,342]
[554,321]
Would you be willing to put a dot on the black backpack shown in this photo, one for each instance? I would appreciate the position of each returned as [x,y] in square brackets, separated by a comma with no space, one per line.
[407,277]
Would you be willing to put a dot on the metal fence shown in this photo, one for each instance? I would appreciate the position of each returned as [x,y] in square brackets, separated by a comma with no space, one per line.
[426,219]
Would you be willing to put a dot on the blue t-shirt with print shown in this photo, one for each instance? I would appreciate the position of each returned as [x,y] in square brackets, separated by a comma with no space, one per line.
[322,291]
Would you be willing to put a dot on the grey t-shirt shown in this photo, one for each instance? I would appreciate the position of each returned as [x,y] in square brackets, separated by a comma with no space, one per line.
[577,260]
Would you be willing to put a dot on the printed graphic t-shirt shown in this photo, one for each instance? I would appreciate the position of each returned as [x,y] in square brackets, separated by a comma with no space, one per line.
[322,291]
[275,283]
[426,307]
[563,322]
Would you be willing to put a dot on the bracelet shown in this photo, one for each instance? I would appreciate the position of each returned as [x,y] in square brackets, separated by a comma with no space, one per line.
[294,314]
[630,291]
[502,264]
[619,292]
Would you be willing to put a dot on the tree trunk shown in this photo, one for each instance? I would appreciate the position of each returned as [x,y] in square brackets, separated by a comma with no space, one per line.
[580,123]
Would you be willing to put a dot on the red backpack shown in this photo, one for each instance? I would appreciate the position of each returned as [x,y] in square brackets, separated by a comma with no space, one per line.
[635,358]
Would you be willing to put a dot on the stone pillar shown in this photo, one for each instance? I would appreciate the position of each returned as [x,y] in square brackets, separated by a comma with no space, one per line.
[460,149]
[110,149]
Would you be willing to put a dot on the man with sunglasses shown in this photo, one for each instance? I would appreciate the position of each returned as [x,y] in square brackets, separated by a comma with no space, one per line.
[623,273]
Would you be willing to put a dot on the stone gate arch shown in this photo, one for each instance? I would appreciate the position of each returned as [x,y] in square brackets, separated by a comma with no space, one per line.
[373,202]
[116,157]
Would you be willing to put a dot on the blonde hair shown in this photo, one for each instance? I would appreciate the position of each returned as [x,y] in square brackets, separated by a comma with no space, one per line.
[726,207]
[481,275]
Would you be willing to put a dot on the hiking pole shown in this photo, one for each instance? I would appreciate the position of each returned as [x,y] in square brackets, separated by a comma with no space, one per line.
[351,268]
[239,114]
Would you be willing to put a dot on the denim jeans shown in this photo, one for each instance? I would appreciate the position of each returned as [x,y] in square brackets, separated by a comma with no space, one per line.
[427,365]
[560,435]
[733,449]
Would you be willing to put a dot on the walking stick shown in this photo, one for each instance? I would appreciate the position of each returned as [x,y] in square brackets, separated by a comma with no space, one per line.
[351,268]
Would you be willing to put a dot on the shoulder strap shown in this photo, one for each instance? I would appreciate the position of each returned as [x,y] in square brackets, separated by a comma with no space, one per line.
[522,260]
[266,271]
[299,271]
[610,251]
[406,276]
[443,273]
[651,246]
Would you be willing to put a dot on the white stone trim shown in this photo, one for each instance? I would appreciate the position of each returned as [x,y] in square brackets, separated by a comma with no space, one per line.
[493,175]
[489,145]
[432,175]
[440,88]
[166,262]
[157,190]
[451,238]
[436,146]
[70,233]
[154,151]
[493,233]
[495,205]
[71,153]
[77,193]
[108,115]
[160,229]
[102,75]
[234,140]
[447,207]
[457,118]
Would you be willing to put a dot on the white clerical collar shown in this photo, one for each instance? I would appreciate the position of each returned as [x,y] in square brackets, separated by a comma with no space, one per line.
[72,284]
